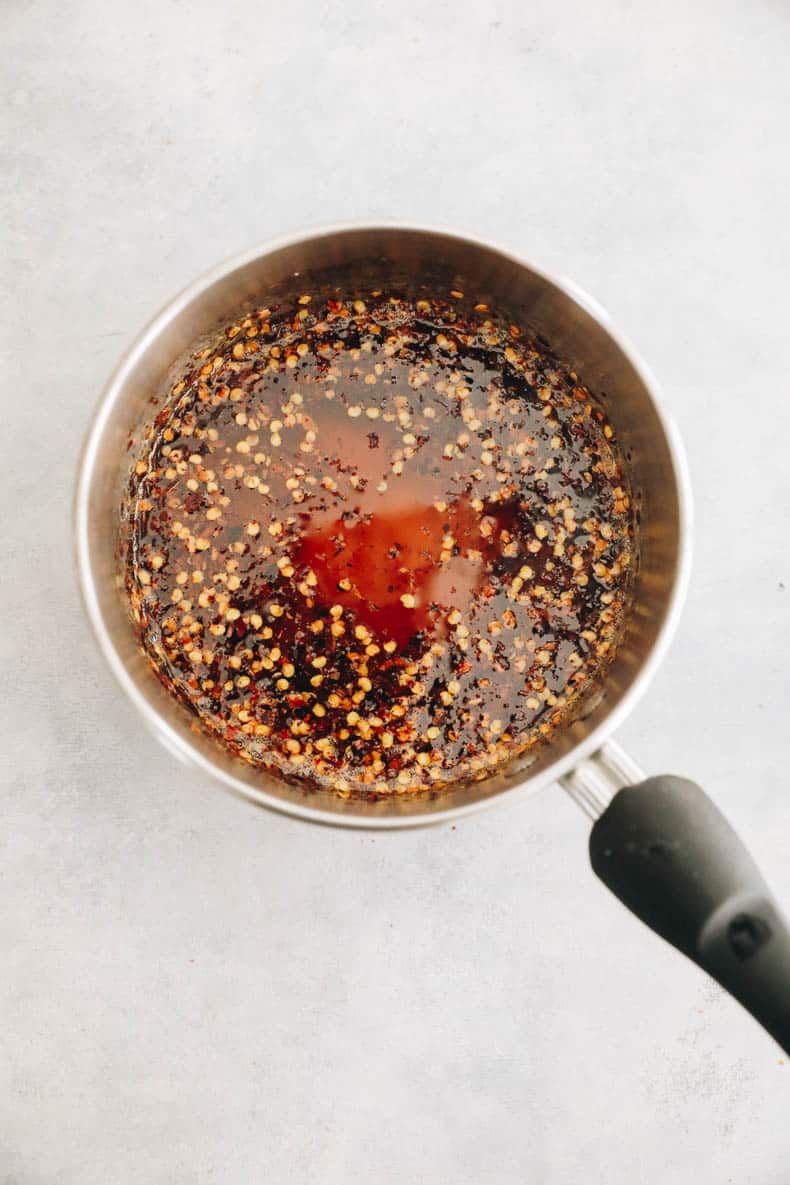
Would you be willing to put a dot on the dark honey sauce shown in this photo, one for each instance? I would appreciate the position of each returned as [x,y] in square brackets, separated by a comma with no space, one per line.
[379,546]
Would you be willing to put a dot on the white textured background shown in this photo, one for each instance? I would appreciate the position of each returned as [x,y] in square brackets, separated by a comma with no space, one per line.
[195,992]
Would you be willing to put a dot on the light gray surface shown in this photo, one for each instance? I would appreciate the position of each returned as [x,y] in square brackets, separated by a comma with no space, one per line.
[192,991]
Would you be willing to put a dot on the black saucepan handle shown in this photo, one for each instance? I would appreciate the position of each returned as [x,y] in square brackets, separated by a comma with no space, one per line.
[668,853]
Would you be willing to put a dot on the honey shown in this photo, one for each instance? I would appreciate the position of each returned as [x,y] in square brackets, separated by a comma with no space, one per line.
[379,545]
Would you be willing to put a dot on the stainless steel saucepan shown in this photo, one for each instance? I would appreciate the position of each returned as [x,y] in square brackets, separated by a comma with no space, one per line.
[660,844]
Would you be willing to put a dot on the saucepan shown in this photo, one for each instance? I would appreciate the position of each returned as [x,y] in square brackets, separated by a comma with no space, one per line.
[658,843]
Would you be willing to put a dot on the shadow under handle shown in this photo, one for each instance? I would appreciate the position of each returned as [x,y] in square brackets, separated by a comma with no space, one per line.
[669,854]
